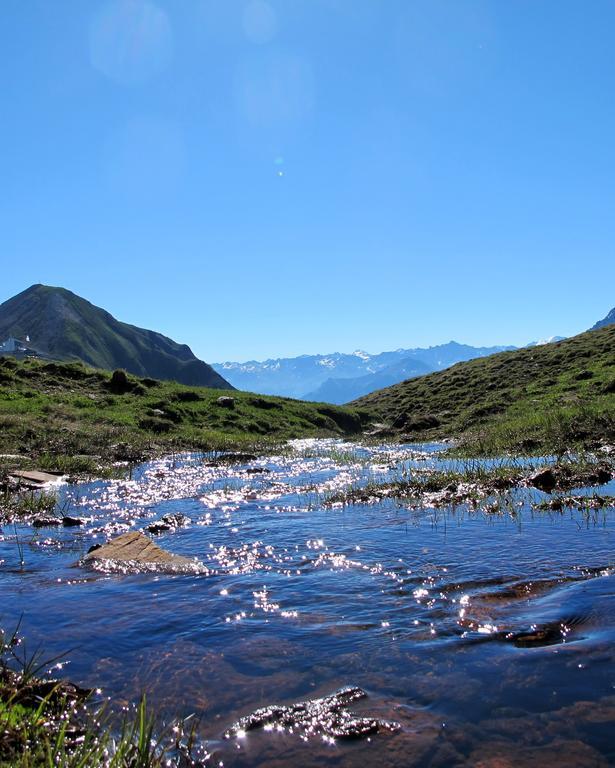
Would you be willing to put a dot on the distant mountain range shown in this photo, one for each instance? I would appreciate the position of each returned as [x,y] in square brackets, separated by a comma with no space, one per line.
[344,390]
[338,378]
[608,320]
[61,325]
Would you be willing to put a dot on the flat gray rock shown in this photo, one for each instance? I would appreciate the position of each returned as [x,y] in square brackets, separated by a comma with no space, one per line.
[34,477]
[136,549]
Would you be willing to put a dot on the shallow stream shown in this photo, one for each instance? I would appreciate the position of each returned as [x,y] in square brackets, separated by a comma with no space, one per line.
[483,639]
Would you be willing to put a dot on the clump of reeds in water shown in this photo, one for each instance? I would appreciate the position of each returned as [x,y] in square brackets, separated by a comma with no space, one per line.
[46,723]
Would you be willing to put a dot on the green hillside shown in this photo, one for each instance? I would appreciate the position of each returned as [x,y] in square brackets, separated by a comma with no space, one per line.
[68,409]
[64,326]
[550,397]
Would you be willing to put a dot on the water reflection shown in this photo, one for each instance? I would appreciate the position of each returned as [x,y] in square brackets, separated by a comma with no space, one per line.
[487,637]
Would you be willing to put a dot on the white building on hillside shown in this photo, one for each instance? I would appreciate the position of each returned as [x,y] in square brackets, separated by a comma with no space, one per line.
[13,346]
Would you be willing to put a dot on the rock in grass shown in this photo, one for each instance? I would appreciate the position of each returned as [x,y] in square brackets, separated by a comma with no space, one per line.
[35,478]
[226,402]
[231,457]
[136,548]
[564,477]
[545,480]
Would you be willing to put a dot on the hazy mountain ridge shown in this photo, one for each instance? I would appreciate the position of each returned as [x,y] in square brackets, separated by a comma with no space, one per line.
[608,320]
[294,376]
[418,363]
[341,375]
[65,326]
[339,391]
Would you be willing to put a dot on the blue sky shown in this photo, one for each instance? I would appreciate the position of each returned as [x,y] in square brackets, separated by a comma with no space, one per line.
[262,179]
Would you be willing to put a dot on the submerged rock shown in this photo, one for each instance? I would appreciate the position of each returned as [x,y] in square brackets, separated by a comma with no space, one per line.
[45,521]
[551,633]
[327,716]
[158,527]
[71,522]
[168,523]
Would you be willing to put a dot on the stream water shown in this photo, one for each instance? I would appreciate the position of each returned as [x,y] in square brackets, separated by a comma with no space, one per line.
[487,639]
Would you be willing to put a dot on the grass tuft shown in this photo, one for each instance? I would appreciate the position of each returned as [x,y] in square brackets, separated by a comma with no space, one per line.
[50,723]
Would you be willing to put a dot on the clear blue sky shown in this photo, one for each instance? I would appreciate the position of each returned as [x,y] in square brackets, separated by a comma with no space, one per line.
[260,179]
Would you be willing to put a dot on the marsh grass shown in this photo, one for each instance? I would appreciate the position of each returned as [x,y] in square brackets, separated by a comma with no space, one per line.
[27,504]
[341,455]
[559,502]
[559,429]
[412,484]
[79,467]
[44,724]
[31,502]
[471,480]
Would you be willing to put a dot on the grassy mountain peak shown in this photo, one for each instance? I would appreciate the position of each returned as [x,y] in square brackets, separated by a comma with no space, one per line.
[65,326]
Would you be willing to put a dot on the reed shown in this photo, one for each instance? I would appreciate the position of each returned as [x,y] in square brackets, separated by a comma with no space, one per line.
[45,724]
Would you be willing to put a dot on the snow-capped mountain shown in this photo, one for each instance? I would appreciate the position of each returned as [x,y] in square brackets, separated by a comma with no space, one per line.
[608,320]
[303,376]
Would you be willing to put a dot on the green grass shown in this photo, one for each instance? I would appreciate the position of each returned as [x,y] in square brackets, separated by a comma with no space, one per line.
[55,410]
[550,398]
[56,733]
[44,724]
[26,504]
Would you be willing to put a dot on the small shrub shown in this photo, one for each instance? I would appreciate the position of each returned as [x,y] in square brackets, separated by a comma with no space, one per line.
[266,405]
[156,424]
[73,371]
[119,383]
[188,397]
[584,375]
[347,421]
[420,423]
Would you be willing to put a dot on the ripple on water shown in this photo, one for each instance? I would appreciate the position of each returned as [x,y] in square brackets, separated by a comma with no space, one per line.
[487,636]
